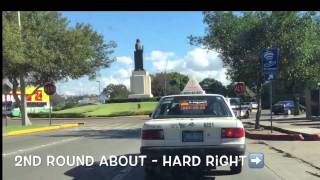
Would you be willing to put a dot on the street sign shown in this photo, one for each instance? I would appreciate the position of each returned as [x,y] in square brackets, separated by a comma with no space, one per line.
[269,58]
[239,88]
[50,88]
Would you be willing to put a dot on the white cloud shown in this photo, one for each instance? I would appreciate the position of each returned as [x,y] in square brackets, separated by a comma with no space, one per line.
[197,63]
[124,60]
[159,56]
[123,73]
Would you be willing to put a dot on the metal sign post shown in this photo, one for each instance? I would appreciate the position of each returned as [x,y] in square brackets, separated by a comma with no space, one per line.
[240,106]
[269,59]
[271,104]
[240,89]
[50,89]
[50,110]
[6,109]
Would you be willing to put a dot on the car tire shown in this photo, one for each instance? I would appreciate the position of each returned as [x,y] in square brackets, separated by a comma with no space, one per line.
[236,169]
[288,112]
[247,114]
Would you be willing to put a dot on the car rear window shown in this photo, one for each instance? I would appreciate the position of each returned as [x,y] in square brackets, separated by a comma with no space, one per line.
[192,106]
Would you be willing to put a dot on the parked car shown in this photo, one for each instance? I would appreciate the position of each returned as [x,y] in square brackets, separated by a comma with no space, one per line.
[235,105]
[254,105]
[283,107]
[247,105]
[7,108]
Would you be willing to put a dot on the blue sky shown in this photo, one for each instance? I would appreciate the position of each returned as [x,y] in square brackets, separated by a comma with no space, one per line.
[164,37]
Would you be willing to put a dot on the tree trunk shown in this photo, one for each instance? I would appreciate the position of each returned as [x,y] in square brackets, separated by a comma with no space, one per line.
[23,108]
[258,99]
[14,92]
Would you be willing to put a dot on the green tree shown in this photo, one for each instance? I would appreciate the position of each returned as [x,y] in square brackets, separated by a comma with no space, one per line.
[212,86]
[240,39]
[57,101]
[166,84]
[46,49]
[116,91]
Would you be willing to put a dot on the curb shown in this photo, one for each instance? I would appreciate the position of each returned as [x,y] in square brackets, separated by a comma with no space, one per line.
[42,129]
[278,137]
[306,137]
[311,137]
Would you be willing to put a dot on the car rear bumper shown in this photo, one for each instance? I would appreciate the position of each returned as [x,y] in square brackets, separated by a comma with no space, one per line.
[234,150]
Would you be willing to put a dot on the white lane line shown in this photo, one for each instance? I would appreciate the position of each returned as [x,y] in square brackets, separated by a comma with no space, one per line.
[38,147]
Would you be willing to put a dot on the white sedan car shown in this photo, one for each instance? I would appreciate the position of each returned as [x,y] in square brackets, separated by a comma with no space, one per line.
[192,124]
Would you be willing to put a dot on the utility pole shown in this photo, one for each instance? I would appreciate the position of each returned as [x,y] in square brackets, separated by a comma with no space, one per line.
[99,87]
[99,95]
[165,78]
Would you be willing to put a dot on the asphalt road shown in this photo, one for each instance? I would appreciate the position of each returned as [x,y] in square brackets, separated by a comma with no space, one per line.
[121,136]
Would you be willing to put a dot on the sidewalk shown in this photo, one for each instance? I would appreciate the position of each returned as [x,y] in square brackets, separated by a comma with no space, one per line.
[292,124]
[307,151]
[297,128]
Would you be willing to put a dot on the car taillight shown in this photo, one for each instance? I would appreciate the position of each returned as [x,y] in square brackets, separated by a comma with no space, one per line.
[152,134]
[232,132]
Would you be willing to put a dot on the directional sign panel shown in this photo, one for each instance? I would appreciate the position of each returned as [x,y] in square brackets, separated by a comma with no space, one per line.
[269,59]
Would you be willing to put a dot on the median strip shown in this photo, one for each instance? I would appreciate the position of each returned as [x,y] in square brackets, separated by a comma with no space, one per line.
[40,129]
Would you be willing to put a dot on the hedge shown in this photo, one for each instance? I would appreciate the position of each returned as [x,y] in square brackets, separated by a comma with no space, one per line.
[56,115]
[153,99]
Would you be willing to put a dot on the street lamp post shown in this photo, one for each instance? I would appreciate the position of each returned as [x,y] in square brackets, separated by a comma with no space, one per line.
[99,92]
[165,78]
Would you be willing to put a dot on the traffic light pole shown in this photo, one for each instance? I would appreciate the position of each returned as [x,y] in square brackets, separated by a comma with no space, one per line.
[240,106]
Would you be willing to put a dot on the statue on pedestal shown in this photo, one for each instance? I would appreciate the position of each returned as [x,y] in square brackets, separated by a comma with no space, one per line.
[138,56]
[140,80]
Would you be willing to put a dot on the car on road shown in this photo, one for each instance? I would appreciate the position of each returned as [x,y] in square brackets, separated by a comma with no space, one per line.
[7,108]
[254,105]
[283,107]
[192,124]
[246,105]
[235,106]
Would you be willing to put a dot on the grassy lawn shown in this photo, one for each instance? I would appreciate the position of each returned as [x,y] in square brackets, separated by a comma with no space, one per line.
[113,109]
[19,127]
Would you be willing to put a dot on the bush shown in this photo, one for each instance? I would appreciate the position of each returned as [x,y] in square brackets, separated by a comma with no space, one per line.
[56,115]
[154,99]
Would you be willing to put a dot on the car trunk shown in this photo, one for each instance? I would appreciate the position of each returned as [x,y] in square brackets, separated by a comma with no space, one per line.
[193,131]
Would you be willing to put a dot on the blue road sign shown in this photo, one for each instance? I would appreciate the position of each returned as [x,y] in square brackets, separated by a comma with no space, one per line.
[256,160]
[269,59]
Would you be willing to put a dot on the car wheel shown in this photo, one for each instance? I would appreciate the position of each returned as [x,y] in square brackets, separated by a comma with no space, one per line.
[288,112]
[236,169]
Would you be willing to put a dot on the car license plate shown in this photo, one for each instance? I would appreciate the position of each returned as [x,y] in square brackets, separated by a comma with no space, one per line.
[192,136]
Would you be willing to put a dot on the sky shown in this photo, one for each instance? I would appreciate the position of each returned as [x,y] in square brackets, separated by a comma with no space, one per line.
[166,48]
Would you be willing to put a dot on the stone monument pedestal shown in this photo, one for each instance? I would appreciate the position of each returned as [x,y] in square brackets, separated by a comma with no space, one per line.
[140,84]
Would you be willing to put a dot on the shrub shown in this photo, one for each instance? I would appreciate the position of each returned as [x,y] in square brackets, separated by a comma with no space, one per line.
[154,99]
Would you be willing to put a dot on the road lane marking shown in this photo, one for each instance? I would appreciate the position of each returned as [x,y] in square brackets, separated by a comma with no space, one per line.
[39,147]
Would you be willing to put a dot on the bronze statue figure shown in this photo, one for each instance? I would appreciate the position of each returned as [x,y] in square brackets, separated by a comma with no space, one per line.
[138,56]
